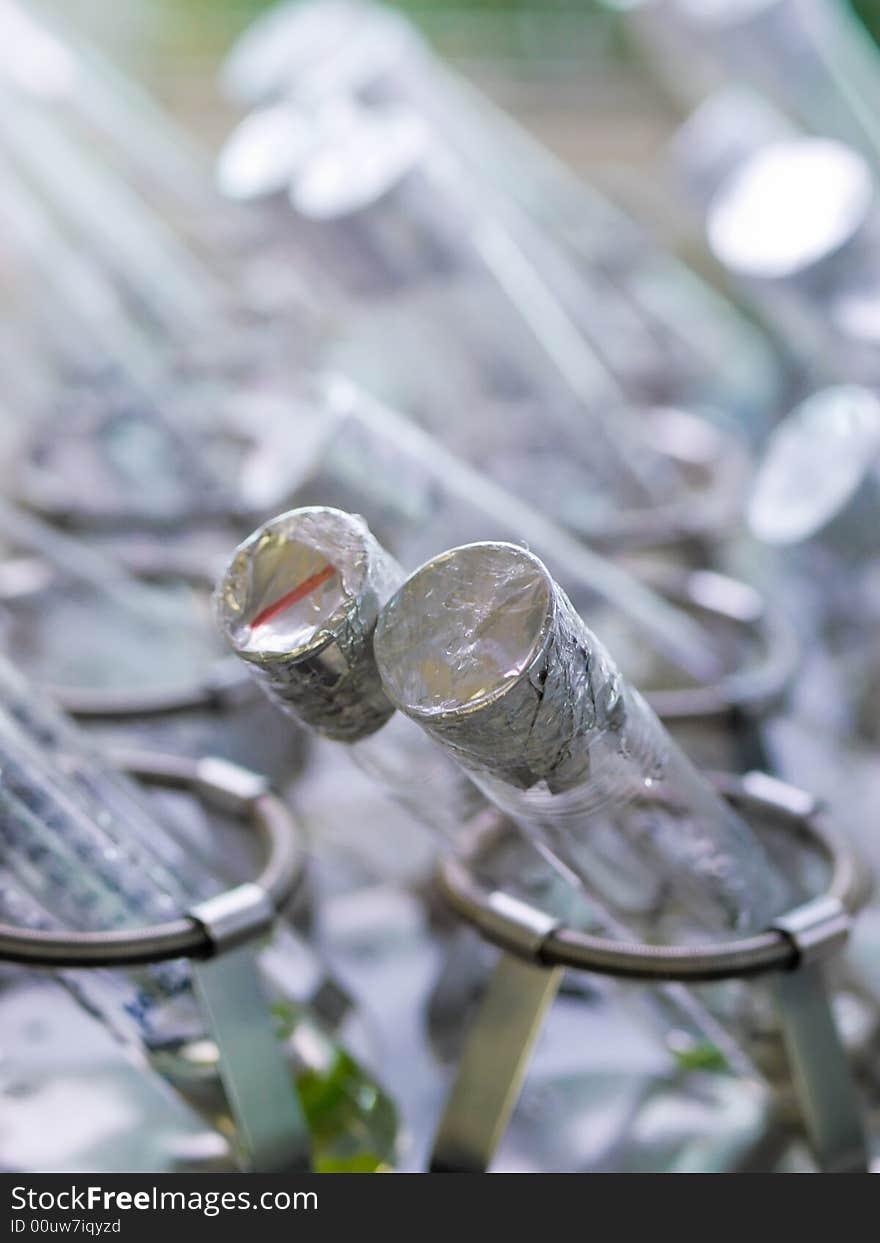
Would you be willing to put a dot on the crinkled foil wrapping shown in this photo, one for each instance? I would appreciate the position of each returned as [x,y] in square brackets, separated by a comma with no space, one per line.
[542,725]
[486,653]
[330,682]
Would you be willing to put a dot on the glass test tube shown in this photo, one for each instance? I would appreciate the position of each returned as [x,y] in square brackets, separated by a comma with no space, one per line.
[816,502]
[298,604]
[809,266]
[484,651]
[73,854]
[662,332]
[814,58]
[554,425]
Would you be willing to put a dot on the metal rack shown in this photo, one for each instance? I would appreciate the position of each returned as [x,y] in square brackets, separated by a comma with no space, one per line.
[537,949]
[220,937]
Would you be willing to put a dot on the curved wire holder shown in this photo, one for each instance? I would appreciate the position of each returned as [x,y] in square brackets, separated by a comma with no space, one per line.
[224,687]
[537,949]
[221,937]
[741,701]
[706,509]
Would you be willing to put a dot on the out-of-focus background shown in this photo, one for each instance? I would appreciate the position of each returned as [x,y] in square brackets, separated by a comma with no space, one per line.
[566,69]
[569,70]
[620,304]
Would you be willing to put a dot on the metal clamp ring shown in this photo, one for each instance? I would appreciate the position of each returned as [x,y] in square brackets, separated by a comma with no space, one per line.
[756,689]
[779,948]
[227,786]
[225,685]
[704,510]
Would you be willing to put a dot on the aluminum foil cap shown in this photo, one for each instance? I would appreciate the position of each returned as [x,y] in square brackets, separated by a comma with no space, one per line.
[298,603]
[486,652]
[361,156]
[815,463]
[264,152]
[790,207]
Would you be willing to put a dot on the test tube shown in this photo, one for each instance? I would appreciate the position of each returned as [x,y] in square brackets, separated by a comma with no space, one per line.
[812,57]
[296,636]
[130,239]
[88,880]
[380,214]
[492,317]
[661,331]
[483,650]
[83,851]
[120,409]
[180,290]
[815,501]
[794,220]
[298,603]
[815,465]
[44,59]
[103,793]
[727,128]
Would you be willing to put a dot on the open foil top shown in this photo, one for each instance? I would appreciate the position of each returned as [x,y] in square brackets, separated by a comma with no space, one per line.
[299,603]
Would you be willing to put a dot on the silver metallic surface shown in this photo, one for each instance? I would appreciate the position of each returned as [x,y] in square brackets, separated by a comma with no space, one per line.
[312,652]
[492,1065]
[828,1099]
[235,917]
[815,463]
[500,1043]
[530,722]
[789,207]
[817,928]
[271,1133]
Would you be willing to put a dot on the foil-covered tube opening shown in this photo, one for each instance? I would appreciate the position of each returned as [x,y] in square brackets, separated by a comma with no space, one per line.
[298,603]
[756,223]
[485,651]
[816,463]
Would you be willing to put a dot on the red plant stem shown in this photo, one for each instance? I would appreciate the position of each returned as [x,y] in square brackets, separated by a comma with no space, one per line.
[291,597]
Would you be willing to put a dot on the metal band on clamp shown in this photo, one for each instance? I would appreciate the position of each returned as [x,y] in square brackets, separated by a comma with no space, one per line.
[537,948]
